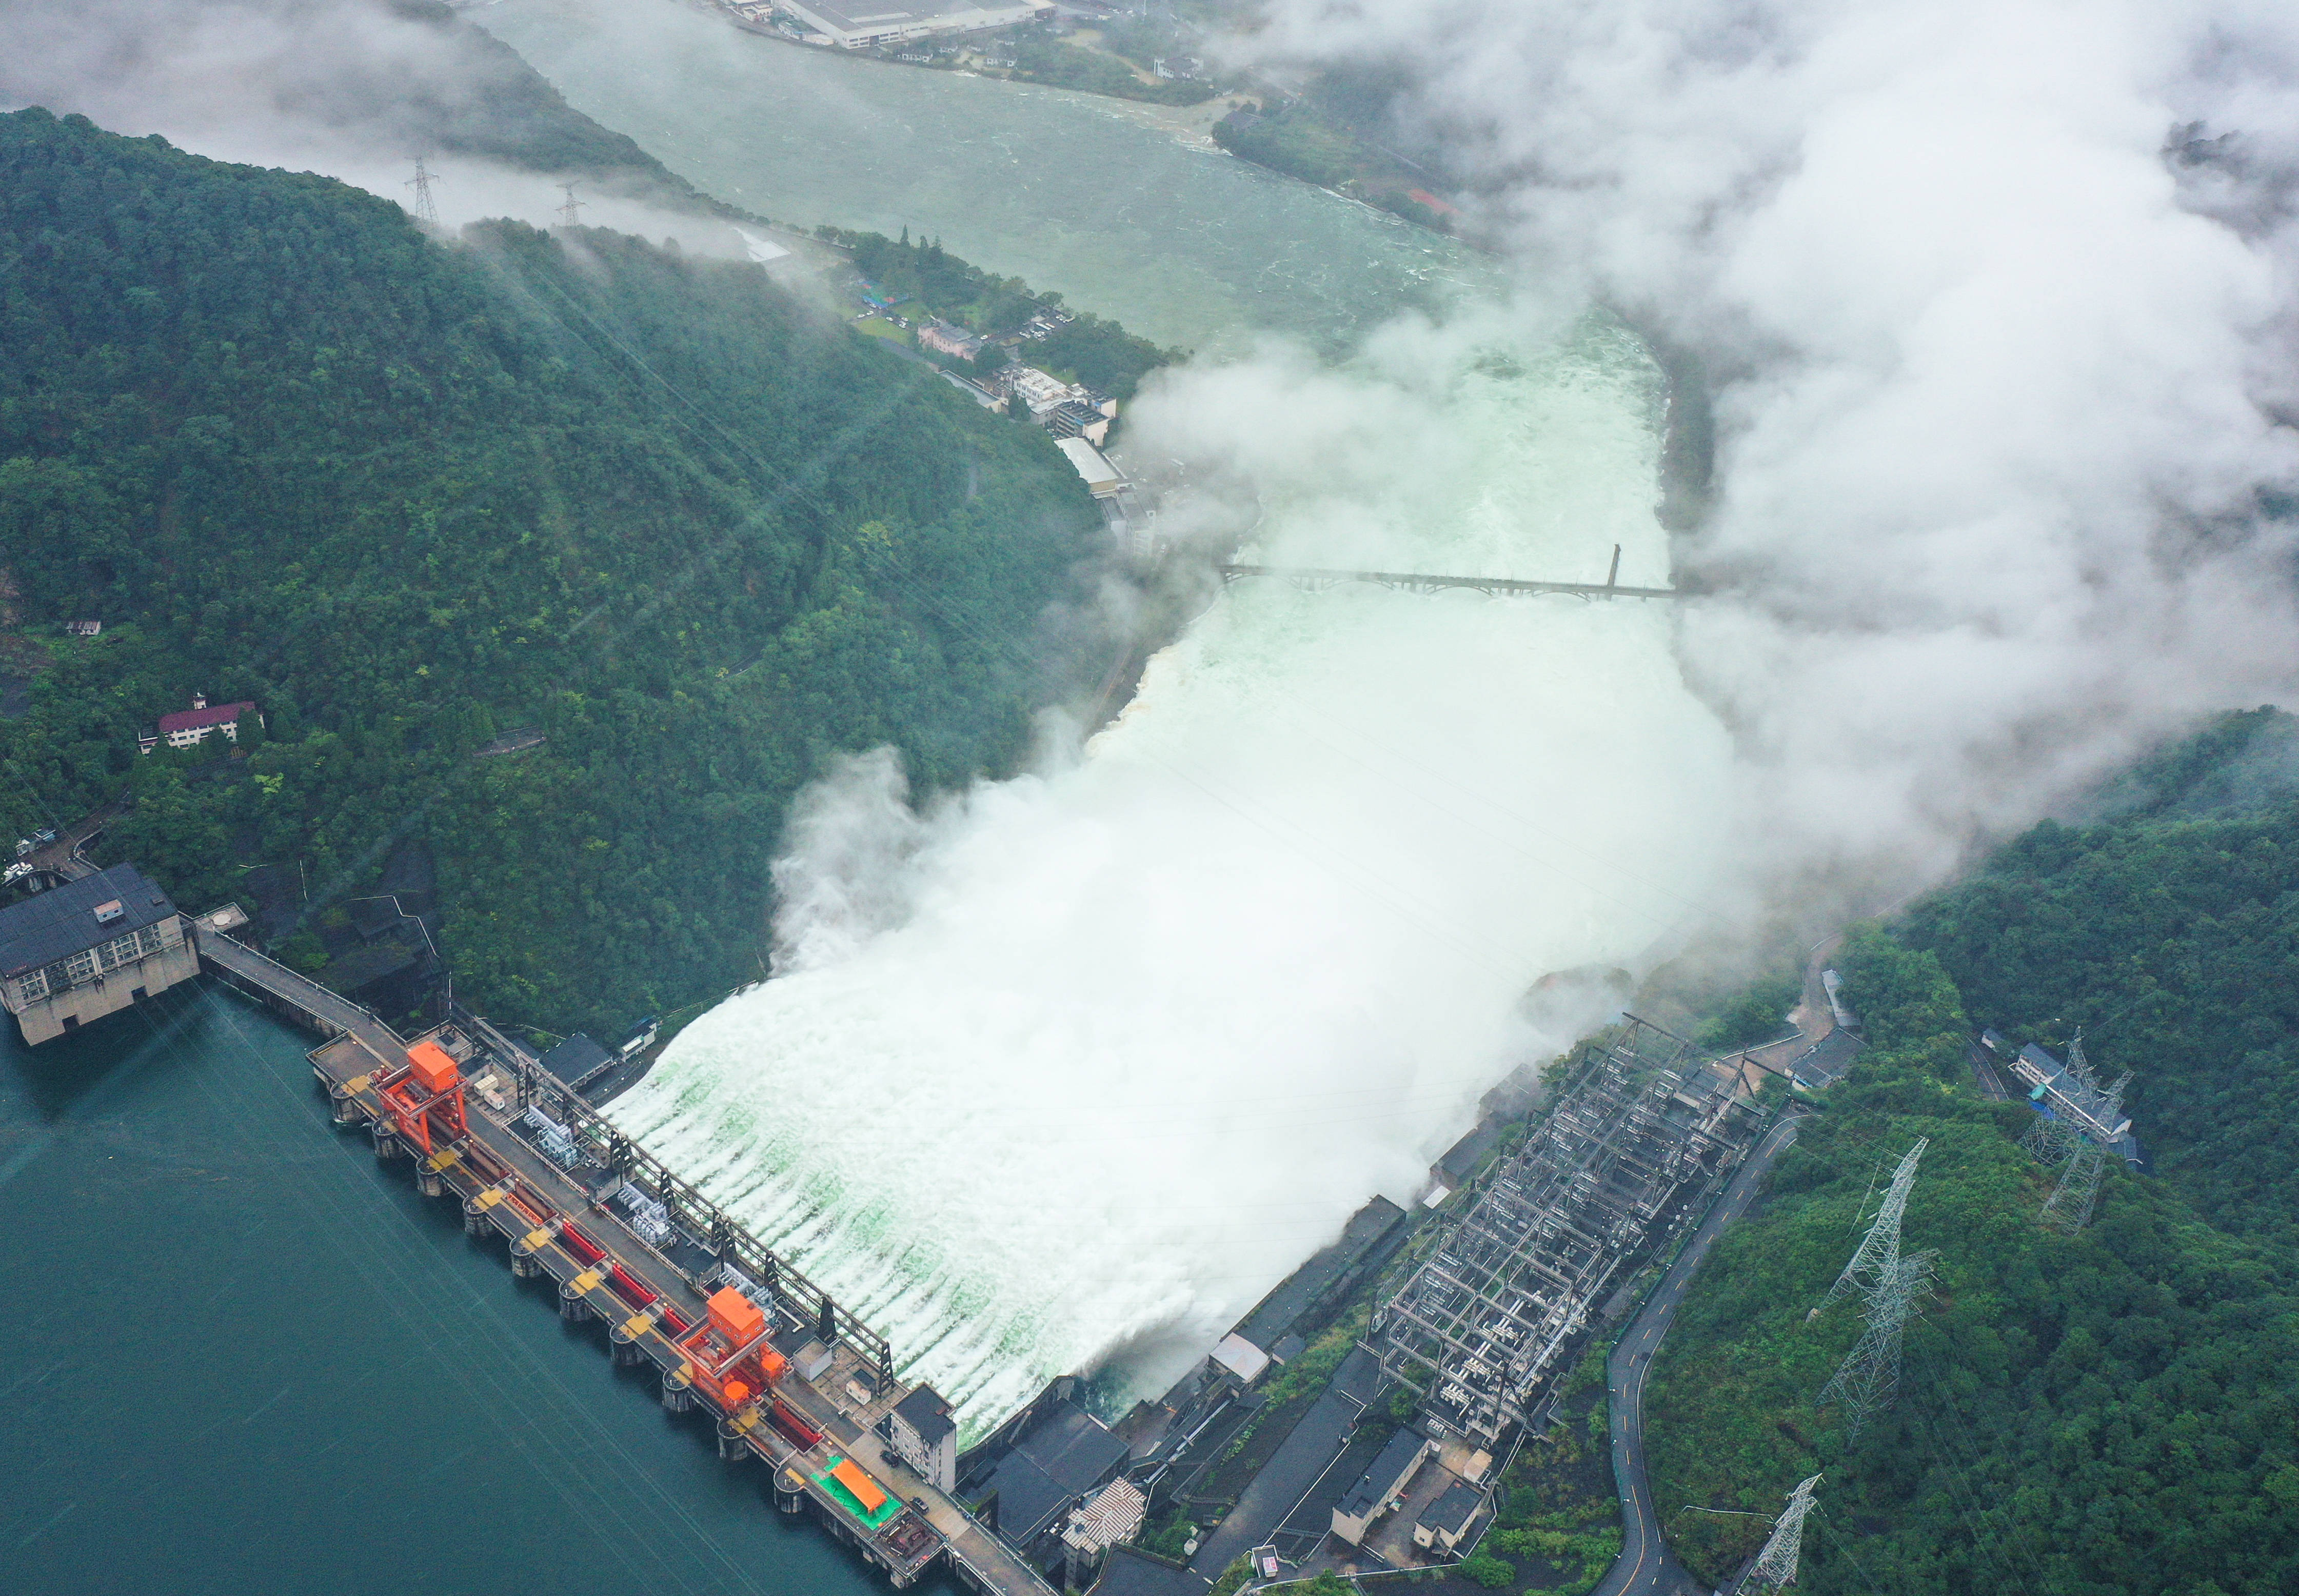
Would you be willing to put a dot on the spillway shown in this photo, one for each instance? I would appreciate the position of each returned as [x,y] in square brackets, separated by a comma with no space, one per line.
[1063,1075]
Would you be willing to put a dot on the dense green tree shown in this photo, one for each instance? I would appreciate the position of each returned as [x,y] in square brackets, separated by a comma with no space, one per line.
[399,492]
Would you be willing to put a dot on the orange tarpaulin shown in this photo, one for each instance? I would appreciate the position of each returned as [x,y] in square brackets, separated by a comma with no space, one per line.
[860,1485]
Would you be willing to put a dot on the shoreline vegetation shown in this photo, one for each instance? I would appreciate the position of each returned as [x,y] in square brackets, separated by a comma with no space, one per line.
[1327,135]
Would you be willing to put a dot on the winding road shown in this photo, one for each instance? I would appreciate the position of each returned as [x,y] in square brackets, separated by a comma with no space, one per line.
[1645,1568]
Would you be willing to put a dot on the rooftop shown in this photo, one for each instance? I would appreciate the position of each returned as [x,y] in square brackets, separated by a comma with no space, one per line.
[62,920]
[1373,1486]
[214,714]
[1068,1454]
[925,1412]
[577,1060]
[1450,1513]
[1295,1295]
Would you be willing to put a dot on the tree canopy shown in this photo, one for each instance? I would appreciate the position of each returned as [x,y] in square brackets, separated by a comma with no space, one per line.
[409,494]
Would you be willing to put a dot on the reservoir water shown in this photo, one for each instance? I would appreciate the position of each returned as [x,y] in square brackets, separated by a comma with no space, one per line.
[246,1359]
[1129,211]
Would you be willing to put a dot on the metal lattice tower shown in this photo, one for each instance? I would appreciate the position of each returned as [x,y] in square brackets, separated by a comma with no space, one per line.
[2086,1116]
[1484,1321]
[2051,1140]
[2070,1206]
[569,212]
[1776,1564]
[426,211]
[1879,1249]
[1869,1379]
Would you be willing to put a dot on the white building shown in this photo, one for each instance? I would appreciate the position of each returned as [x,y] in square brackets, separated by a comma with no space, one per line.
[1101,479]
[188,727]
[925,1438]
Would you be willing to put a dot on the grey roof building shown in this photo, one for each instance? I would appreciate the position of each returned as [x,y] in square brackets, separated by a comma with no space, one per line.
[1390,1473]
[89,948]
[1050,1470]
[579,1060]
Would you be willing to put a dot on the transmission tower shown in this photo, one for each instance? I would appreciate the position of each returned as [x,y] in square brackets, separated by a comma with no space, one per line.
[2070,1206]
[2086,1117]
[1879,1249]
[1776,1564]
[1869,1379]
[567,212]
[426,211]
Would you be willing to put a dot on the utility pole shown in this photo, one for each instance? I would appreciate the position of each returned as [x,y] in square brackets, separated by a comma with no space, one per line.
[1776,1564]
[567,212]
[1879,1249]
[426,210]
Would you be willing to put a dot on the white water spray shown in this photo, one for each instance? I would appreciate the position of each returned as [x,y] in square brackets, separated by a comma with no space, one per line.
[1074,1070]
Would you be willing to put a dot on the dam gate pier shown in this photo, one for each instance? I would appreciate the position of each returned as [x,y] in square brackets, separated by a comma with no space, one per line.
[790,1379]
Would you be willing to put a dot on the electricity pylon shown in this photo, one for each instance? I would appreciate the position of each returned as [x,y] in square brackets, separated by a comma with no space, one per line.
[2070,1206]
[426,211]
[571,209]
[1776,1564]
[2077,1139]
[1869,1377]
[1879,1249]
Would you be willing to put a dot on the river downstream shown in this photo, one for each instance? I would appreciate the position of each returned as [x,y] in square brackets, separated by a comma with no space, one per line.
[1126,210]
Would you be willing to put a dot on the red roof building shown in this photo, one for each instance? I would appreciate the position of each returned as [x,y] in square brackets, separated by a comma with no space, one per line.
[186,727]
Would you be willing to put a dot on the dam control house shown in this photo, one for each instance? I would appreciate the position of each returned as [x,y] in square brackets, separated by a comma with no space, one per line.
[89,949]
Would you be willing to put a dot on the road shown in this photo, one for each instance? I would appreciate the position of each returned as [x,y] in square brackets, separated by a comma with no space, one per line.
[1645,1568]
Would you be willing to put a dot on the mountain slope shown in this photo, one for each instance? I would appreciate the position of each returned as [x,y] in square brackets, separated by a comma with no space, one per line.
[409,495]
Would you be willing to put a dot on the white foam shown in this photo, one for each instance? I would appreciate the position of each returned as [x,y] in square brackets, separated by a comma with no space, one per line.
[1080,1067]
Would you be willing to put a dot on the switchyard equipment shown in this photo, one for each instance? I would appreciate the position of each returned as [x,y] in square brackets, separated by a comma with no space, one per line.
[1481,1323]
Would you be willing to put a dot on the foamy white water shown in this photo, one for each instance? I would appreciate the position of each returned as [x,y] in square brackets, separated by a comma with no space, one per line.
[1074,1071]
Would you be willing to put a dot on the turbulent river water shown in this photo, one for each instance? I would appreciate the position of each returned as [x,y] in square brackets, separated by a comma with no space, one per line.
[1069,1075]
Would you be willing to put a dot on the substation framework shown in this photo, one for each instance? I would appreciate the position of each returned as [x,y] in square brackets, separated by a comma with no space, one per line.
[1481,1322]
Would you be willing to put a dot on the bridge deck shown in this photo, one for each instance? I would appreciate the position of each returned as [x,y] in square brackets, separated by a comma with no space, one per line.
[1422,583]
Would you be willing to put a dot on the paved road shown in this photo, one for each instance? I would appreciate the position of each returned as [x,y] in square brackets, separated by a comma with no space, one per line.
[1645,1568]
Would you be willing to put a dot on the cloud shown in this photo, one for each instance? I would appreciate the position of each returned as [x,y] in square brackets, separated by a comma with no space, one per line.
[2004,393]
[354,89]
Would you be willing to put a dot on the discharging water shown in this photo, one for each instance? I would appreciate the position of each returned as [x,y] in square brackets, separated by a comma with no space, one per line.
[1068,1076]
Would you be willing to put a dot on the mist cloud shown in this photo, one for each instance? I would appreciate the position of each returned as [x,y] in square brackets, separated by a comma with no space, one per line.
[2000,386]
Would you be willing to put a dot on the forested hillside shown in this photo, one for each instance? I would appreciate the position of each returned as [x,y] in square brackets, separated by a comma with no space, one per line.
[408,496]
[2114,1411]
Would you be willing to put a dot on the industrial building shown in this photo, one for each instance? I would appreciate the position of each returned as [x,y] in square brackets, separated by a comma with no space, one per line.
[855,24]
[89,949]
[1064,1456]
[924,1436]
[1381,1484]
[1101,479]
